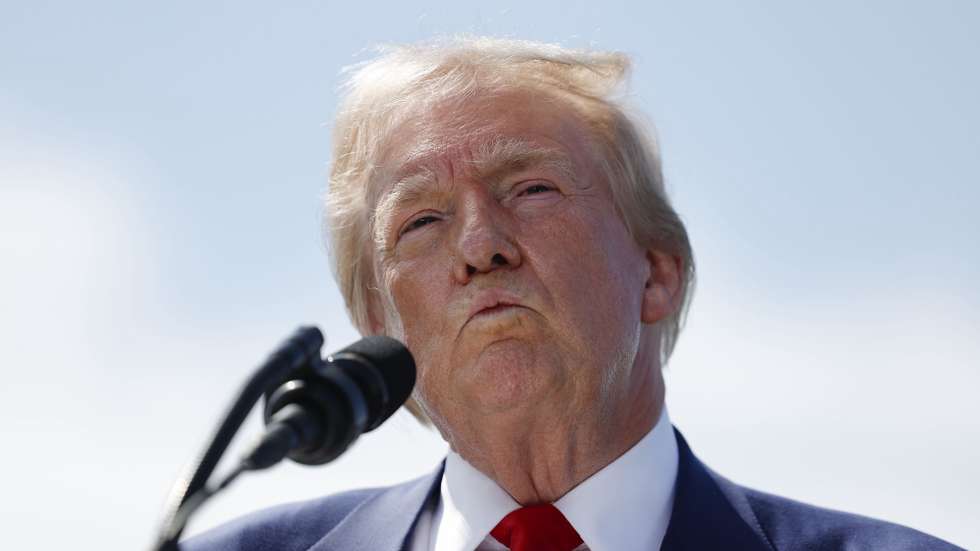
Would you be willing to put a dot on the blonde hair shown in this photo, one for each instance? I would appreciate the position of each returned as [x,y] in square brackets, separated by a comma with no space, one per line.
[380,93]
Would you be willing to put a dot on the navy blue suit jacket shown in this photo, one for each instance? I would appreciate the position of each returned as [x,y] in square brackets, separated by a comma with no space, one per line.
[709,513]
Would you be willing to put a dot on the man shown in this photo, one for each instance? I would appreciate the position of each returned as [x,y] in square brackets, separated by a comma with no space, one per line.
[494,209]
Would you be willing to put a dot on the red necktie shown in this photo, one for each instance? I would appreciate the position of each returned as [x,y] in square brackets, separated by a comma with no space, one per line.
[536,528]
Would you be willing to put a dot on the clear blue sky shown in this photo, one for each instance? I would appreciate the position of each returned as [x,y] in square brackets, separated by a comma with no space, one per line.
[160,170]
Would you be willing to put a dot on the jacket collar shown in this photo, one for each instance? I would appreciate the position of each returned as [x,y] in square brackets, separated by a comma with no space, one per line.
[709,512]
[384,522]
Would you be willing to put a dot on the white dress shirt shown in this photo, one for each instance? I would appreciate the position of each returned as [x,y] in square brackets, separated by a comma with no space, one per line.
[625,505]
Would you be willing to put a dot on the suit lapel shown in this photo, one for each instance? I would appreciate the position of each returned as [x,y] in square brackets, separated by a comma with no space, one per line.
[709,513]
[703,517]
[383,522]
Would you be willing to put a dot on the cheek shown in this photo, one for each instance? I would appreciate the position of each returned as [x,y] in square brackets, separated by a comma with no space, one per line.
[419,299]
[594,271]
[412,295]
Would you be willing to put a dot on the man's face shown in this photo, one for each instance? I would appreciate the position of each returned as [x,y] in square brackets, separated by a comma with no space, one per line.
[505,266]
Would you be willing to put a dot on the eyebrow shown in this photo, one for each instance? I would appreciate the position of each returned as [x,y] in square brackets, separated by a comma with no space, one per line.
[504,156]
[493,161]
[406,190]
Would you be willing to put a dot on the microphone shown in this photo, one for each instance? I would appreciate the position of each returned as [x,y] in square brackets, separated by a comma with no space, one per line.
[322,407]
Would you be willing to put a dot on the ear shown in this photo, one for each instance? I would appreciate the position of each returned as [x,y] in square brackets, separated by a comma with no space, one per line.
[662,294]
[373,296]
[375,312]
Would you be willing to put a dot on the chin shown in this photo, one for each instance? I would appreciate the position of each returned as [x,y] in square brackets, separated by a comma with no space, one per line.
[509,375]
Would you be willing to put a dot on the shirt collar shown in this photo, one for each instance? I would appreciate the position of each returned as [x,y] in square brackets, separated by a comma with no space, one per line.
[625,505]
[471,504]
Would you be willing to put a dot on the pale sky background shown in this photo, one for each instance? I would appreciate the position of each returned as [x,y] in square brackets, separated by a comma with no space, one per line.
[160,168]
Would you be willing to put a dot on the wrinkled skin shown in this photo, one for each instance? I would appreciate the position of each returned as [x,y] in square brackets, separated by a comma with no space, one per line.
[512,279]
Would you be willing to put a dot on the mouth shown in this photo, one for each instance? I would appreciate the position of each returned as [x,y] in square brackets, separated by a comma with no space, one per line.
[493,318]
[495,310]
[493,303]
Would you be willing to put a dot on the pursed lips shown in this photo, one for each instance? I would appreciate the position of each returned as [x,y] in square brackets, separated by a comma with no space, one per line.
[490,302]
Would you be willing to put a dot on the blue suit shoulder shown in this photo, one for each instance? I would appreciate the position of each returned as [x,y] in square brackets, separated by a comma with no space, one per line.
[790,525]
[287,527]
[374,518]
[711,512]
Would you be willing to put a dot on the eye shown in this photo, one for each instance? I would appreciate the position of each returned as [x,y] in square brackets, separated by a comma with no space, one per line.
[419,222]
[536,188]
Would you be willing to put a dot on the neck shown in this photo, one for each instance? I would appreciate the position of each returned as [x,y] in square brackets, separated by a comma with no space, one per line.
[538,456]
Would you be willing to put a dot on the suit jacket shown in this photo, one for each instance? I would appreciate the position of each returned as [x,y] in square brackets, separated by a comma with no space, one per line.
[709,513]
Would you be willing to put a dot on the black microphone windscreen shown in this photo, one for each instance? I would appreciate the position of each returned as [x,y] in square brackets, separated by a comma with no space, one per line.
[395,365]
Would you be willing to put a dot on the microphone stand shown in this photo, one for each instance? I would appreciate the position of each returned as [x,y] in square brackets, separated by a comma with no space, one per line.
[191,489]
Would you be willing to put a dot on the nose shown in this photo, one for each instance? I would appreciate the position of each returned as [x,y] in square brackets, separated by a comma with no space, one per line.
[485,242]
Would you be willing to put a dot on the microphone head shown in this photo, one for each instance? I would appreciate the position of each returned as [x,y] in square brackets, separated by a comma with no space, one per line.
[386,370]
[336,400]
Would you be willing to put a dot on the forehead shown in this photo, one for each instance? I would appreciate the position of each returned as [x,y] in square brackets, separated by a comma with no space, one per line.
[460,135]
